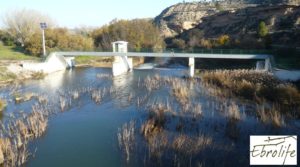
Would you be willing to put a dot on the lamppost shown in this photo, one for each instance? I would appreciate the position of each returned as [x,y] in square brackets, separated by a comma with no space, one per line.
[43,27]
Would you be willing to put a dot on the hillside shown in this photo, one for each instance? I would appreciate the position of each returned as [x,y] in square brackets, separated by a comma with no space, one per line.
[283,23]
[184,16]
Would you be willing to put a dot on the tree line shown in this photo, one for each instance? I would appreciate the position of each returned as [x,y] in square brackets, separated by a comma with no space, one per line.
[22,30]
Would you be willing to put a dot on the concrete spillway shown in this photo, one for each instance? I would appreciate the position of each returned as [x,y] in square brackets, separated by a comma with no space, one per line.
[54,62]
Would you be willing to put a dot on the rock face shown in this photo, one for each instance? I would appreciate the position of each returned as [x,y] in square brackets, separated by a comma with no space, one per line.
[182,16]
[282,22]
[268,2]
[283,18]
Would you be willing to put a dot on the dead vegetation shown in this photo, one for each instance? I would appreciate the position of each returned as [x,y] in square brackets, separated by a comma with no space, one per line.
[270,115]
[15,136]
[126,138]
[180,91]
[234,112]
[2,105]
[255,86]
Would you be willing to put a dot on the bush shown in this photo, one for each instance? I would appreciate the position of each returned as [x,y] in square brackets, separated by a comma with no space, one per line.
[262,29]
[223,40]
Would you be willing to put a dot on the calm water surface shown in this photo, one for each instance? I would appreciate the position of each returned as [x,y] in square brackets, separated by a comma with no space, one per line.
[86,133]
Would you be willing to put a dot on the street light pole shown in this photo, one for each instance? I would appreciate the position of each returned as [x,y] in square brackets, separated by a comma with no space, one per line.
[44,43]
[43,27]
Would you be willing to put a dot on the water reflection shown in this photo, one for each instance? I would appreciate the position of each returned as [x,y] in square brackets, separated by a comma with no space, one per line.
[54,81]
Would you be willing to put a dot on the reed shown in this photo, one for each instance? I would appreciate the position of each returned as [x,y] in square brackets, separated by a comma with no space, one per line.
[2,105]
[63,103]
[233,112]
[190,145]
[75,95]
[126,138]
[270,115]
[96,96]
[180,91]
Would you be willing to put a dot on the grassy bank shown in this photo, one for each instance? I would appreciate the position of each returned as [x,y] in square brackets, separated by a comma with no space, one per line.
[14,53]
[101,61]
[93,61]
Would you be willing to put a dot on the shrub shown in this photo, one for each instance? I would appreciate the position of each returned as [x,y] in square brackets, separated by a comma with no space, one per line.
[223,40]
[262,29]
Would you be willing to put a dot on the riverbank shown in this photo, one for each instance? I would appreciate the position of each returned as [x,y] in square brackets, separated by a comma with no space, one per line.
[92,61]
[12,72]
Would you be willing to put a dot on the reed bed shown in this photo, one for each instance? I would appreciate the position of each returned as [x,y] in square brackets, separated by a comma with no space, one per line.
[15,136]
[255,86]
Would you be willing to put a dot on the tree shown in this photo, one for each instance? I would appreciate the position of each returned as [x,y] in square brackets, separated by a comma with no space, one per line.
[262,29]
[140,33]
[22,24]
[59,39]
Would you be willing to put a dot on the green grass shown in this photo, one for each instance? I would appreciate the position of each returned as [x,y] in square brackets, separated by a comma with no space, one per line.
[93,60]
[14,53]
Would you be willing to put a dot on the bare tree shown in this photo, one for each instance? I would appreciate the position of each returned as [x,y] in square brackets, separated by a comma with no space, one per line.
[22,24]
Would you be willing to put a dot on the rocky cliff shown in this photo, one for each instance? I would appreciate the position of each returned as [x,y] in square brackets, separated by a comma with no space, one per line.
[282,21]
[184,16]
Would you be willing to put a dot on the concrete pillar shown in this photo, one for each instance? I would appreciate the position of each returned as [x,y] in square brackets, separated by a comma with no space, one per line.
[260,65]
[70,61]
[268,66]
[192,66]
[121,64]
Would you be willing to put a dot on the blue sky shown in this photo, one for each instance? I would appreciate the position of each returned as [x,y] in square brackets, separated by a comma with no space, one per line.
[76,13]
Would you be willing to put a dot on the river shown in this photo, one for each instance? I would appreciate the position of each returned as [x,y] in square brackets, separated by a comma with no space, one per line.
[85,133]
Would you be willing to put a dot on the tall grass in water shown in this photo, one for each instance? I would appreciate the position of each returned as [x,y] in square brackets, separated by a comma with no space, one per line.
[63,103]
[233,112]
[2,105]
[180,91]
[126,138]
[270,115]
[15,135]
[97,96]
[256,86]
